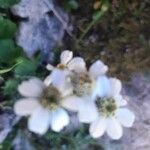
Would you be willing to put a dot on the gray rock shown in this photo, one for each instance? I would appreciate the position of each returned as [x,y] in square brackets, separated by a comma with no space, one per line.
[21,142]
[137,137]
[7,120]
[43,25]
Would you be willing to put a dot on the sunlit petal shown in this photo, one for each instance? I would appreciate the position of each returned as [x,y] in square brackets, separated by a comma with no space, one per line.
[98,127]
[31,88]
[66,56]
[88,111]
[60,80]
[72,103]
[125,116]
[26,106]
[115,86]
[103,86]
[98,68]
[59,120]
[77,64]
[39,121]
[114,129]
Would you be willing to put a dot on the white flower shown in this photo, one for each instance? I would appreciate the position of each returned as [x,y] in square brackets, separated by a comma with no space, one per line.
[74,70]
[111,113]
[85,90]
[68,62]
[62,72]
[42,105]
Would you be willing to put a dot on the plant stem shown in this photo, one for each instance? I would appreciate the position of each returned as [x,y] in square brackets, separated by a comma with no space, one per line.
[90,25]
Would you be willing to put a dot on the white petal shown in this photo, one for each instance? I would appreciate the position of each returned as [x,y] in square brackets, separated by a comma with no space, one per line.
[26,106]
[97,128]
[120,101]
[49,67]
[60,119]
[66,56]
[31,88]
[72,103]
[103,86]
[114,129]
[77,64]
[48,80]
[87,111]
[95,93]
[39,121]
[98,68]
[115,86]
[125,116]
[60,80]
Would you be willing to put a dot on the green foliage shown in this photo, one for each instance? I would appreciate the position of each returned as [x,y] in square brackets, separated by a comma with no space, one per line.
[70,5]
[8,51]
[7,28]
[26,68]
[10,87]
[7,3]
[99,13]
[2,71]
[75,140]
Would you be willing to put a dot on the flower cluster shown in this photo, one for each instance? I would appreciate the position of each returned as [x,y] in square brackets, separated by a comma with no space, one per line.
[72,87]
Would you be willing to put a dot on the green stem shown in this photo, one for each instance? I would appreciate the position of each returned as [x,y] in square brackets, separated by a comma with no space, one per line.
[91,24]
[9,69]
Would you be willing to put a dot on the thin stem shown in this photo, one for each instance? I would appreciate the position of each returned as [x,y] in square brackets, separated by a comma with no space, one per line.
[90,25]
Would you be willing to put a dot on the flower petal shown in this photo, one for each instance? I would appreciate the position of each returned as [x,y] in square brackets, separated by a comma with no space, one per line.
[98,68]
[114,129]
[26,106]
[71,103]
[115,86]
[48,80]
[49,67]
[97,128]
[66,56]
[77,64]
[39,121]
[31,88]
[60,119]
[60,80]
[87,111]
[125,116]
[120,101]
[102,86]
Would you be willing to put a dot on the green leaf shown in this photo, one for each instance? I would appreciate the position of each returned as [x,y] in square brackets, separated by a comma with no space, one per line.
[97,15]
[26,68]
[7,3]
[7,29]
[8,51]
[2,71]
[71,5]
[10,87]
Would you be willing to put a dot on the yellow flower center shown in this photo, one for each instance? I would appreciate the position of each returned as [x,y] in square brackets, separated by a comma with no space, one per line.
[61,66]
[50,98]
[106,107]
[82,84]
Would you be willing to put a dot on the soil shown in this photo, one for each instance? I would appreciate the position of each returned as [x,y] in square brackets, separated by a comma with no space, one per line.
[120,38]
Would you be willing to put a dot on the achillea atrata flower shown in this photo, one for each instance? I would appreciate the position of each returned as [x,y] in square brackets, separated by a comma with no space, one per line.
[43,106]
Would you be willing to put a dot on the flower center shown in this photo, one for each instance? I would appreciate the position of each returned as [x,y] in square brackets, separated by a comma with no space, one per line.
[50,98]
[61,66]
[106,107]
[82,84]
